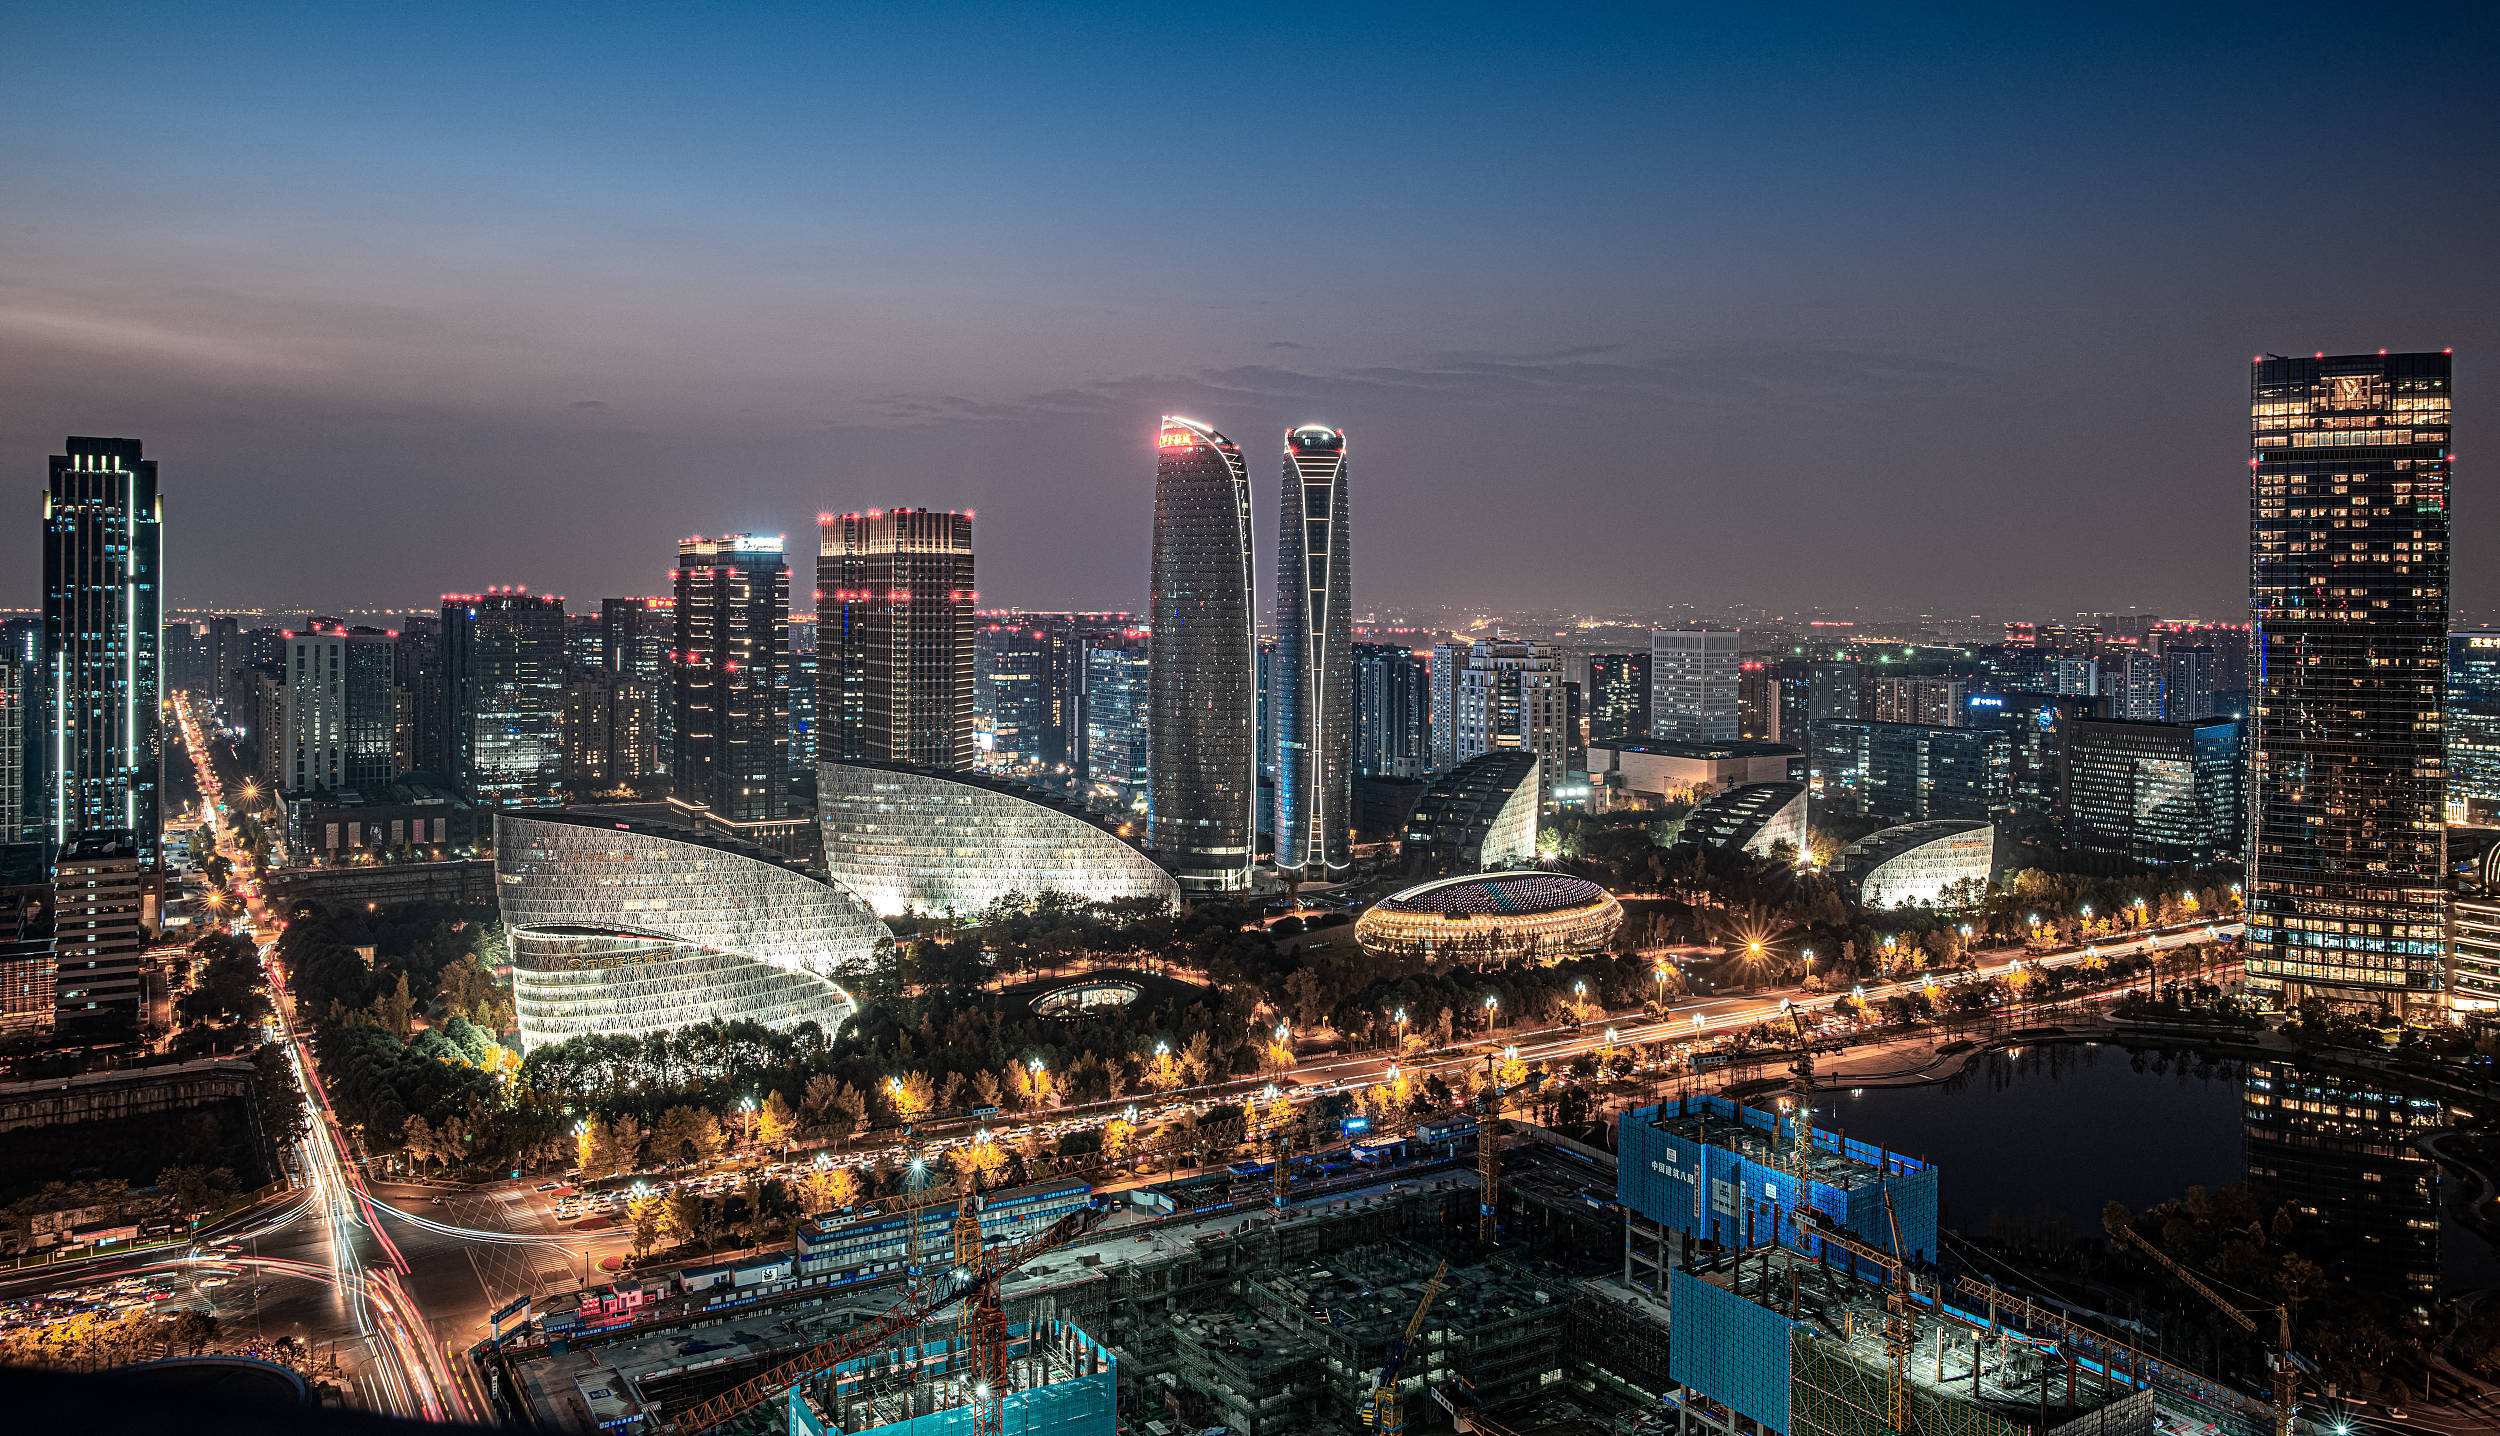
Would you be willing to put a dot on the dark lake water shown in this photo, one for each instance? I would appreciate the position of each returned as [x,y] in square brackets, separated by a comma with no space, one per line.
[2035,1141]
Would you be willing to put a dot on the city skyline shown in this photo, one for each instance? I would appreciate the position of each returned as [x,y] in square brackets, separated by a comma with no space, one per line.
[1686,326]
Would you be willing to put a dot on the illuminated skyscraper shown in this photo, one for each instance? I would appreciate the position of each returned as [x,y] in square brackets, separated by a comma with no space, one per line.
[1314,676]
[894,637]
[1693,685]
[1392,711]
[503,694]
[1202,664]
[1618,695]
[732,681]
[103,627]
[2348,586]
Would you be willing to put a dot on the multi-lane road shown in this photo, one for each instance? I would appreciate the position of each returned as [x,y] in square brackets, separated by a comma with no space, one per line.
[411,1274]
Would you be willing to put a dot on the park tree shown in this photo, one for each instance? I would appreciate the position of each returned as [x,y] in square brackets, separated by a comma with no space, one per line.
[775,1123]
[645,1212]
[681,1216]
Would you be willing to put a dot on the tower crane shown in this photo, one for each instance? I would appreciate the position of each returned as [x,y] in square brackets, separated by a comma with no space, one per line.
[2279,1357]
[1489,1146]
[1801,1084]
[921,1300]
[1386,1411]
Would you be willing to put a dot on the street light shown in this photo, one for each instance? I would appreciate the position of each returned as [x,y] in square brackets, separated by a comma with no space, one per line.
[1284,1034]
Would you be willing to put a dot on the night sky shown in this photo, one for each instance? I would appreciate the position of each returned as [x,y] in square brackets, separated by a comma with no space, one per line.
[1753,306]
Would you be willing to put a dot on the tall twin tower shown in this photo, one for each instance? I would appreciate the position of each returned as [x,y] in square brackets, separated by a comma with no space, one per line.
[1203,659]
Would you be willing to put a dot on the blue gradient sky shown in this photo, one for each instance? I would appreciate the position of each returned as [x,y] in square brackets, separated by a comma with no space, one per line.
[1619,308]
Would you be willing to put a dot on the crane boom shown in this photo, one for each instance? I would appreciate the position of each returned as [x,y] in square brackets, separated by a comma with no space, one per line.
[2279,1352]
[1386,1410]
[2129,1236]
[919,1302]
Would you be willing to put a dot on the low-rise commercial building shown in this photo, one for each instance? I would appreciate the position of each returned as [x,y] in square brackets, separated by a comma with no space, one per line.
[1667,770]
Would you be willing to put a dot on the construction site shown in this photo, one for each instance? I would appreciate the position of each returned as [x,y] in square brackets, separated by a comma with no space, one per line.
[1528,1286]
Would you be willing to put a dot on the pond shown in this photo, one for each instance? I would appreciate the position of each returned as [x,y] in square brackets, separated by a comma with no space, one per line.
[2034,1141]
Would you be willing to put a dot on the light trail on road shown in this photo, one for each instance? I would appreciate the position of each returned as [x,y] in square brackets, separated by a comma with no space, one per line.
[413,1378]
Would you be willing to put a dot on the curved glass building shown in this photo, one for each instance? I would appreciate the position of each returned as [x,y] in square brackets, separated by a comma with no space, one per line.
[1492,917]
[1202,661]
[1313,682]
[625,927]
[1919,864]
[909,840]
[1750,817]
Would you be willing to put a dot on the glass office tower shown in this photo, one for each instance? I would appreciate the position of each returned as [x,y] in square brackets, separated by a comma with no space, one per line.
[1313,685]
[2474,727]
[2348,588]
[103,631]
[733,680]
[503,694]
[894,637]
[1202,660]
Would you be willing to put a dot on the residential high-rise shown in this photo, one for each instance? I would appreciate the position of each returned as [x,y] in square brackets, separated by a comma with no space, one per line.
[732,681]
[339,720]
[103,627]
[2348,587]
[1447,659]
[894,660]
[1510,698]
[99,908]
[1915,699]
[1392,711]
[1692,685]
[2136,683]
[1758,700]
[503,695]
[1619,695]
[1314,673]
[1203,666]
[2474,727]
[800,694]
[637,634]
[589,740]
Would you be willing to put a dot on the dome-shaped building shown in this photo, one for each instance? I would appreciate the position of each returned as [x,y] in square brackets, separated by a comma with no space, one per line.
[1492,917]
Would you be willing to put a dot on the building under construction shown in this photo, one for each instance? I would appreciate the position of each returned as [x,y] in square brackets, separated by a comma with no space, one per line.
[1789,1260]
[1064,1384]
[1775,1340]
[1242,1316]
